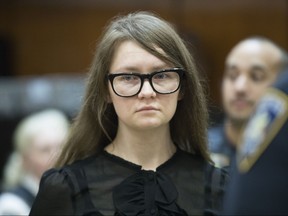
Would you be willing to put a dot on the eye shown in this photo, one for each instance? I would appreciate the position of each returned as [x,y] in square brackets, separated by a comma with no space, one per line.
[128,78]
[231,74]
[258,75]
[161,76]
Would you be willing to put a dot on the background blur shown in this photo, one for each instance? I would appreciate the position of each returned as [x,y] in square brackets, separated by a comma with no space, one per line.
[46,46]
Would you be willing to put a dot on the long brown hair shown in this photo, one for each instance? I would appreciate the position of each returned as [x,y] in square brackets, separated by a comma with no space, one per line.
[96,125]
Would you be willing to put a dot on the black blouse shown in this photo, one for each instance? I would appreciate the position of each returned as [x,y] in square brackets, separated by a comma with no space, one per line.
[105,184]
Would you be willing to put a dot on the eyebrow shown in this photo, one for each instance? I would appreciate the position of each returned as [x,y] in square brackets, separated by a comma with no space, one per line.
[254,67]
[136,69]
[258,67]
[230,66]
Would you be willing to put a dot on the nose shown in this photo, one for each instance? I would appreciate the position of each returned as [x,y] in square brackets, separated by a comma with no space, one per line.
[146,90]
[241,84]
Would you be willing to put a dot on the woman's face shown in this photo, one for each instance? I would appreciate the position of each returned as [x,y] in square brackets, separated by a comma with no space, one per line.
[42,152]
[148,109]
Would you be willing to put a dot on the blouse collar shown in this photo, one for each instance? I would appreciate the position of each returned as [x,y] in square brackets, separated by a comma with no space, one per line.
[137,167]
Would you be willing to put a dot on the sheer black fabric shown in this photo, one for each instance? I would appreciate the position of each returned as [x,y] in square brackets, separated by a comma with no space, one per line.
[146,193]
[105,184]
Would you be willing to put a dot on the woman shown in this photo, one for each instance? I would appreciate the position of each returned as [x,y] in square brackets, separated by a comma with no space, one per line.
[138,146]
[36,139]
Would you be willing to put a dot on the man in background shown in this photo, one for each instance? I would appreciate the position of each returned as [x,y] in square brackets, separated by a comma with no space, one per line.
[259,178]
[251,66]
[37,140]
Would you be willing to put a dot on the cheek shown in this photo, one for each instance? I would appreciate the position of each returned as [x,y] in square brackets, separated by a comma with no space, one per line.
[170,104]
[36,163]
[259,91]
[171,111]
[228,85]
[226,92]
[40,158]
[121,108]
[121,105]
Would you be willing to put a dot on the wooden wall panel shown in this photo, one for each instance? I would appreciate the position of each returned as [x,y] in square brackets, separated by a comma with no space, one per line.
[54,38]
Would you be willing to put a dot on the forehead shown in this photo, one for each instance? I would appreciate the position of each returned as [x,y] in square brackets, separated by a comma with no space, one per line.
[254,53]
[129,54]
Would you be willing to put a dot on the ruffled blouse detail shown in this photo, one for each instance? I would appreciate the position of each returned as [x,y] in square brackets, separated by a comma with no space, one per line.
[147,193]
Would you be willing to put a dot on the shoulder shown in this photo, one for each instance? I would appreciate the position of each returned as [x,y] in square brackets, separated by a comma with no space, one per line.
[216,177]
[266,131]
[215,137]
[213,174]
[196,162]
[11,204]
[215,131]
[92,161]
[55,194]
[221,149]
[54,181]
[189,160]
[66,178]
[61,177]
[25,191]
[216,180]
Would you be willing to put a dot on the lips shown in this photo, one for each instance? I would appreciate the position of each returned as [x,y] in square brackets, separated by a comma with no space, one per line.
[241,103]
[147,108]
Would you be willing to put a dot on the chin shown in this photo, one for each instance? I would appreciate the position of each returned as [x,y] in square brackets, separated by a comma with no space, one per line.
[239,120]
[241,114]
[149,125]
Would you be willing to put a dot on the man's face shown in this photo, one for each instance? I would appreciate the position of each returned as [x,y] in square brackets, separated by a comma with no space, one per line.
[250,68]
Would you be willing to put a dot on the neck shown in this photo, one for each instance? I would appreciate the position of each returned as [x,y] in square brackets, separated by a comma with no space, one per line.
[234,131]
[149,149]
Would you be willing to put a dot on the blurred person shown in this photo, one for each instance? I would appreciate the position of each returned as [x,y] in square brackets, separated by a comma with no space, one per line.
[251,66]
[138,145]
[259,180]
[37,138]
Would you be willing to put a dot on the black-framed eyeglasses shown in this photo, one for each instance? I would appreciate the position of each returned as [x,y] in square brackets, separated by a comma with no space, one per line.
[165,81]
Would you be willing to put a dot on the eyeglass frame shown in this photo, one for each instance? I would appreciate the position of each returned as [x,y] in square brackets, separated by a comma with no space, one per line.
[143,77]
